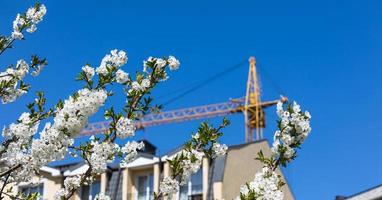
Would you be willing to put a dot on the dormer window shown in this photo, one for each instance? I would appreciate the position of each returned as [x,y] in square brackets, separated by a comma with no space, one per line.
[193,190]
[88,192]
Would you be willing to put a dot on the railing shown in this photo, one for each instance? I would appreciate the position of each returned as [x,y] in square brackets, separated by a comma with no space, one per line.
[144,196]
[140,196]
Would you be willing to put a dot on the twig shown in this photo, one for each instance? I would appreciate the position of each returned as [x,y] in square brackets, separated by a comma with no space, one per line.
[5,183]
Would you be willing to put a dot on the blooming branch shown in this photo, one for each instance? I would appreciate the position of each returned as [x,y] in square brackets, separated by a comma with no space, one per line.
[294,127]
[11,80]
[188,161]
[26,21]
[99,151]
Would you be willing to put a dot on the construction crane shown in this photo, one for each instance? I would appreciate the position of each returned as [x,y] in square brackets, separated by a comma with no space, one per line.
[250,105]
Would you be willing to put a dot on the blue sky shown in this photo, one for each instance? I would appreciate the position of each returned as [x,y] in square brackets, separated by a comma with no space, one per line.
[324,54]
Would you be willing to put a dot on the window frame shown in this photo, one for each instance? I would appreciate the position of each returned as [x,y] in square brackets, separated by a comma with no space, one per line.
[39,186]
[149,186]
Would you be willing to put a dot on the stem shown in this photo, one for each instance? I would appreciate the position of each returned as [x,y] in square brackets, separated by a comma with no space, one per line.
[83,178]
[8,45]
[10,170]
[276,164]
[178,174]
[5,183]
[13,197]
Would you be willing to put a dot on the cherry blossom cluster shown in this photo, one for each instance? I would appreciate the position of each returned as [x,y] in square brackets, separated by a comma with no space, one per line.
[219,149]
[115,59]
[15,149]
[130,151]
[294,127]
[69,120]
[189,160]
[101,154]
[125,127]
[20,134]
[169,186]
[171,61]
[266,186]
[11,80]
[28,21]
[70,183]
[76,110]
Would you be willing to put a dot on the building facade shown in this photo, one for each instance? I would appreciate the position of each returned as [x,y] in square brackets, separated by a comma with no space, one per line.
[217,179]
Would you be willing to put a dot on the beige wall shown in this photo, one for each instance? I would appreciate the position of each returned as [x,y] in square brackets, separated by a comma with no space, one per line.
[51,185]
[241,168]
[218,190]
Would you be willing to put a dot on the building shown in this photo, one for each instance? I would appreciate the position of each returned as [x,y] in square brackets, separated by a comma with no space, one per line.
[217,179]
[374,193]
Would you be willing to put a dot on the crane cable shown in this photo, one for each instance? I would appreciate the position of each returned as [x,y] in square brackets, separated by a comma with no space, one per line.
[195,86]
[267,75]
[205,82]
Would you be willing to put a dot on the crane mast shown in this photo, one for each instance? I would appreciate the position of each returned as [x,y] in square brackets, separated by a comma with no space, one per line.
[253,115]
[250,105]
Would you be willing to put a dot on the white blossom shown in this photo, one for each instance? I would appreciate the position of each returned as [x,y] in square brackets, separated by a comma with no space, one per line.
[102,153]
[36,15]
[102,196]
[130,150]
[114,59]
[173,63]
[195,136]
[60,193]
[169,186]
[22,68]
[70,183]
[17,35]
[294,128]
[244,190]
[89,71]
[17,24]
[136,86]
[145,63]
[145,83]
[25,118]
[160,63]
[219,149]
[32,28]
[265,186]
[125,127]
[11,78]
[32,18]
[74,115]
[191,164]
[121,76]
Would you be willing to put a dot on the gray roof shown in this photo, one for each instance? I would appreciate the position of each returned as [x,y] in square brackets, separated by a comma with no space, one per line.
[371,193]
[235,146]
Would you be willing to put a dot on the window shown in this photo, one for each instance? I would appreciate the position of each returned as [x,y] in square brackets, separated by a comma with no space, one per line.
[26,190]
[144,186]
[194,188]
[88,192]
